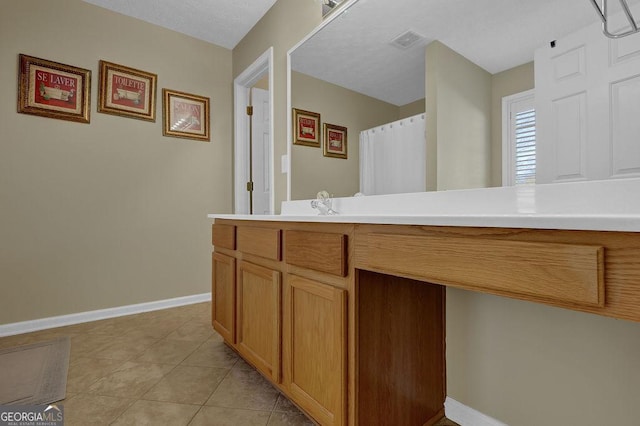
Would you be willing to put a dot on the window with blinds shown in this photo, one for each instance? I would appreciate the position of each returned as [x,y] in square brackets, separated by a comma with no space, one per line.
[519,139]
[525,146]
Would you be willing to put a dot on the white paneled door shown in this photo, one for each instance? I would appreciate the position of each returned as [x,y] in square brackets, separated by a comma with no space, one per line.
[588,107]
[261,152]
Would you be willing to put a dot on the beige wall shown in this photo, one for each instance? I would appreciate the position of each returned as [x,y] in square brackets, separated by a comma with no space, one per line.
[505,83]
[414,108]
[311,171]
[528,364]
[109,213]
[284,25]
[458,96]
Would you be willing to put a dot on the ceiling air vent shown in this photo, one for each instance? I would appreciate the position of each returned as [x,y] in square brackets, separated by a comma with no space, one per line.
[406,39]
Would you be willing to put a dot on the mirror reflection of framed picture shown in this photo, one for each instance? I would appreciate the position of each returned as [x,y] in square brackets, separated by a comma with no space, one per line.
[306,128]
[54,90]
[335,141]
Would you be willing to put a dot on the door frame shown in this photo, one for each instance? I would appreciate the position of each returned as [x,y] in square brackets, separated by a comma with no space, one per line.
[241,93]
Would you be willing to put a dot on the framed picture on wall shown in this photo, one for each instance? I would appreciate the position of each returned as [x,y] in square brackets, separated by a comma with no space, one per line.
[306,128]
[127,92]
[335,141]
[54,90]
[185,115]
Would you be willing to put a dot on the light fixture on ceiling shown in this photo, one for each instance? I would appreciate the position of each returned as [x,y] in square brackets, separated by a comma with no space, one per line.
[328,5]
[603,14]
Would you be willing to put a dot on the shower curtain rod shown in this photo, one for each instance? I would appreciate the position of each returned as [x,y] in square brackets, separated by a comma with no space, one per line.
[604,16]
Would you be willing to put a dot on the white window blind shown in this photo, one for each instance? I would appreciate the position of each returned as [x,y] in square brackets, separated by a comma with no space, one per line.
[519,139]
[525,145]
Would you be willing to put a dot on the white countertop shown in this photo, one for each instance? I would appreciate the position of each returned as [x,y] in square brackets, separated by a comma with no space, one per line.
[611,205]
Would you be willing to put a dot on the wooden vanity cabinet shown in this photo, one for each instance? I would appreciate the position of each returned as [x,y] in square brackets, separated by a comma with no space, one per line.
[341,343]
[280,300]
[223,281]
[315,345]
[348,320]
[315,318]
[223,294]
[247,293]
[259,295]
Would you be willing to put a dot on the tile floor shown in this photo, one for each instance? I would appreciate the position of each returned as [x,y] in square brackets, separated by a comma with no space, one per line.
[164,367]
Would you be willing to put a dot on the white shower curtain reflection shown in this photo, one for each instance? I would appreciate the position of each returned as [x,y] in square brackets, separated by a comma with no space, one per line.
[393,157]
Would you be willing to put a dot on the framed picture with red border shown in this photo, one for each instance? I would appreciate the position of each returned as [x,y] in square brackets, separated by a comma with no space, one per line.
[185,115]
[54,90]
[335,141]
[306,128]
[127,92]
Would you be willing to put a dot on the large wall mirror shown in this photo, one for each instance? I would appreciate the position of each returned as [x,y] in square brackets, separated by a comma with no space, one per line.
[374,62]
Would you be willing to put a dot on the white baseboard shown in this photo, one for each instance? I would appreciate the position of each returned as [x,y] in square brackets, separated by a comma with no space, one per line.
[467,416]
[80,317]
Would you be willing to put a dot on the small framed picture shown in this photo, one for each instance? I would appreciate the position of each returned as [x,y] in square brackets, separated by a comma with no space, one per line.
[185,115]
[54,90]
[335,141]
[306,128]
[127,92]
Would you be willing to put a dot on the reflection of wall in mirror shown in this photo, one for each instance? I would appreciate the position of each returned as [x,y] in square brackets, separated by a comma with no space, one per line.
[310,170]
[458,120]
[505,83]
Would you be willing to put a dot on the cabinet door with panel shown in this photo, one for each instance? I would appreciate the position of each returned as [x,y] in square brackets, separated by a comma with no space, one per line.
[259,298]
[316,355]
[223,289]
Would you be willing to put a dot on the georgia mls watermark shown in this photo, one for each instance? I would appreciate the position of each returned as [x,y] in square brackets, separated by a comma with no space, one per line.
[31,415]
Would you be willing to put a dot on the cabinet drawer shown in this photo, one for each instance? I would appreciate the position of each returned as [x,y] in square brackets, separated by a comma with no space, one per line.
[564,273]
[263,242]
[223,236]
[320,251]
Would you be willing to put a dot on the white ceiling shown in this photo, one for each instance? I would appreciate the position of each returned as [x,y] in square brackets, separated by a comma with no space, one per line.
[221,22]
[354,50]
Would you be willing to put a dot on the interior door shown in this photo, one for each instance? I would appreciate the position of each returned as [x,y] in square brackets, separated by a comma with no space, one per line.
[587,107]
[261,152]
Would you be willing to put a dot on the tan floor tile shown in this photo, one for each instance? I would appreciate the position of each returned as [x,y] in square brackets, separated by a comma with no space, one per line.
[168,351]
[123,348]
[202,319]
[95,410]
[243,365]
[83,344]
[130,380]
[83,372]
[111,326]
[289,419]
[283,405]
[218,416]
[82,327]
[158,329]
[195,310]
[157,413]
[212,353]
[446,422]
[245,389]
[187,385]
[159,368]
[49,334]
[12,341]
[67,397]
[192,331]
